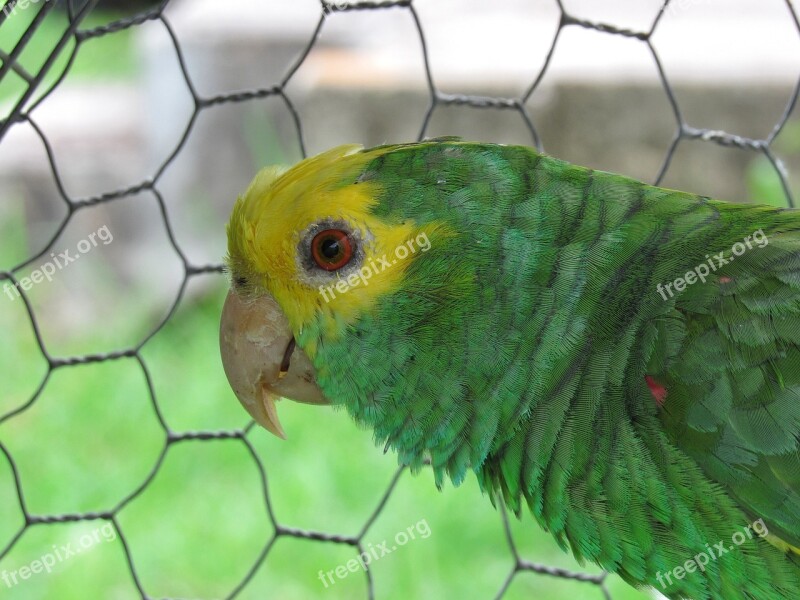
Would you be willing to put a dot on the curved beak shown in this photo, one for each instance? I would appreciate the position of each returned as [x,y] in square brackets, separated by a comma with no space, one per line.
[261,360]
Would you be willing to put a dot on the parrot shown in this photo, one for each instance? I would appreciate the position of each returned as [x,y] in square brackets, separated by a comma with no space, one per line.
[620,360]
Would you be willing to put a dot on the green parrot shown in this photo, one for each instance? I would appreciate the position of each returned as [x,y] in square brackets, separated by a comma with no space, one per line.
[622,358]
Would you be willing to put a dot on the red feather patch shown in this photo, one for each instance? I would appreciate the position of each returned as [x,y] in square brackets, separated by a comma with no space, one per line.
[659,391]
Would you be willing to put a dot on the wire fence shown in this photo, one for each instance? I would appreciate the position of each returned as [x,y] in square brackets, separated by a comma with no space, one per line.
[24,111]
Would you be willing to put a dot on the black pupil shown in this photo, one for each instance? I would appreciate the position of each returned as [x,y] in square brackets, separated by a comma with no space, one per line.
[330,248]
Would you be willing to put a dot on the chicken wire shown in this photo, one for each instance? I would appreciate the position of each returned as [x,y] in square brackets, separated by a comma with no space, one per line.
[23,112]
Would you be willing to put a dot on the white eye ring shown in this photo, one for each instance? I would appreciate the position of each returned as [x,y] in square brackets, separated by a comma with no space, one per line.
[309,270]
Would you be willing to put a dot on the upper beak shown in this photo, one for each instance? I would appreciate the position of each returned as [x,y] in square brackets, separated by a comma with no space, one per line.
[261,360]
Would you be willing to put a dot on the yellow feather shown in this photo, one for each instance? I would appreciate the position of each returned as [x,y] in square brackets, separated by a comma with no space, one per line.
[781,545]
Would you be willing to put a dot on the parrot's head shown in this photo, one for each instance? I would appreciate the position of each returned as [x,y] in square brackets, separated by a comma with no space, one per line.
[309,254]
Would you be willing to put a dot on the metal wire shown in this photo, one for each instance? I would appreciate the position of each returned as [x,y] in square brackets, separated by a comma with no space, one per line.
[22,112]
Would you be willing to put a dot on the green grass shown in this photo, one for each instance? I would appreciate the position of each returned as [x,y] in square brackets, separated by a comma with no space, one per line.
[107,58]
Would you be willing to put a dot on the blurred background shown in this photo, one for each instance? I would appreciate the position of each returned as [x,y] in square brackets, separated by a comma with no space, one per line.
[129,128]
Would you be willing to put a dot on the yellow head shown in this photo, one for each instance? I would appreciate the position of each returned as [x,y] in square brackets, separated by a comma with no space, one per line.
[277,233]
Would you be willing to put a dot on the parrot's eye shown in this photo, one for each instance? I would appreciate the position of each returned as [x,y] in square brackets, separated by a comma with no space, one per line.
[331,249]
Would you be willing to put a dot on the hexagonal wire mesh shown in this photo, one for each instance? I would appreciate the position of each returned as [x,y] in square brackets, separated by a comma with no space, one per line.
[23,110]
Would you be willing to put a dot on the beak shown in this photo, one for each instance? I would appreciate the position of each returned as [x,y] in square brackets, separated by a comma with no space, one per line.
[261,360]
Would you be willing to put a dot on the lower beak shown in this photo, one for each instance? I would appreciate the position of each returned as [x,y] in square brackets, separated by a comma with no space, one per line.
[261,360]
